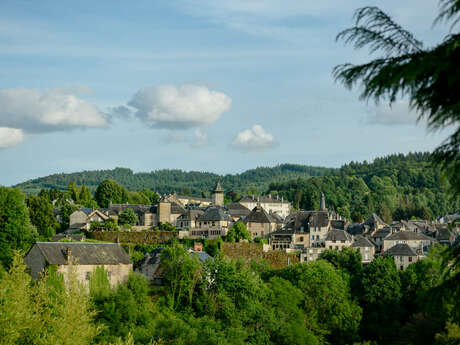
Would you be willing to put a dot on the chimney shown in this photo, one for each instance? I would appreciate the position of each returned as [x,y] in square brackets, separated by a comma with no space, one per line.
[68,256]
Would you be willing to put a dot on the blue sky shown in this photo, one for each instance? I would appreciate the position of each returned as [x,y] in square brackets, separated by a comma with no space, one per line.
[208,85]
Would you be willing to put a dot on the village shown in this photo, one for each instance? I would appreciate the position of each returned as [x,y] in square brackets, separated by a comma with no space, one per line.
[269,221]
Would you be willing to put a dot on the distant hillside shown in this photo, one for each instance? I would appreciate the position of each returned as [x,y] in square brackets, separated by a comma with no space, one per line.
[395,187]
[167,181]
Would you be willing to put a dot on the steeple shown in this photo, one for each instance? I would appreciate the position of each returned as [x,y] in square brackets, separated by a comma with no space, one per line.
[322,204]
[218,195]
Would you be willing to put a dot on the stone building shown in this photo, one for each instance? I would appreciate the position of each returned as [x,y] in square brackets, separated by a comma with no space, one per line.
[81,218]
[214,222]
[416,241]
[237,211]
[365,247]
[81,257]
[379,237]
[149,266]
[403,255]
[268,203]
[188,219]
[337,239]
[259,223]
[218,195]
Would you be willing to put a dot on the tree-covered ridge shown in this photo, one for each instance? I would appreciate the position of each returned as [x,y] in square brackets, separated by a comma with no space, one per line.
[170,180]
[395,187]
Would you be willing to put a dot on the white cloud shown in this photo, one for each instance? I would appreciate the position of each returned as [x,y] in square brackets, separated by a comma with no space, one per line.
[50,110]
[182,107]
[254,139]
[399,113]
[10,137]
[200,138]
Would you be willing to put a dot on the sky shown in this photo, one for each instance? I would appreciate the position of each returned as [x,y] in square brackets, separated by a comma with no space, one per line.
[209,85]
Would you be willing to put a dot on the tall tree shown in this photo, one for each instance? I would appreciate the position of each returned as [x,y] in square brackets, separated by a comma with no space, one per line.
[238,232]
[16,232]
[127,217]
[110,191]
[42,216]
[429,78]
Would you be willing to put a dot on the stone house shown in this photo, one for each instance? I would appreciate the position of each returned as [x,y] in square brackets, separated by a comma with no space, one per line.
[374,223]
[287,238]
[237,211]
[311,254]
[81,218]
[365,247]
[80,257]
[213,223]
[417,241]
[188,219]
[268,203]
[337,239]
[403,255]
[379,237]
[259,223]
[149,266]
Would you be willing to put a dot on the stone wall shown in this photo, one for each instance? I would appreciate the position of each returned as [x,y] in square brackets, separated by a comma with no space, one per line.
[141,237]
[254,251]
[117,273]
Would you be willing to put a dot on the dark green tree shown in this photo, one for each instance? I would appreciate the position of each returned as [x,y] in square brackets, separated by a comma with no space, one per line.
[42,216]
[127,217]
[16,232]
[110,191]
[428,77]
[238,232]
[380,299]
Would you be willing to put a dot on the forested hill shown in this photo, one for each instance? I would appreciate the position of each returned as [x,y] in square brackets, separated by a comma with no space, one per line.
[395,187]
[167,181]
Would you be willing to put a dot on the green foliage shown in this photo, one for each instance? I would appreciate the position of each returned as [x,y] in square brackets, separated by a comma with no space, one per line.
[128,217]
[238,232]
[181,272]
[168,181]
[327,302]
[428,77]
[450,337]
[380,299]
[46,312]
[110,191]
[394,187]
[42,216]
[65,211]
[16,233]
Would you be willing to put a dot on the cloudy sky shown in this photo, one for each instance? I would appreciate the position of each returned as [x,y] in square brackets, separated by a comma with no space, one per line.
[209,85]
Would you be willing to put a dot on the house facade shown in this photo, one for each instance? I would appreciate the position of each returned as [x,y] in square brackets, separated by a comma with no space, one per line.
[80,259]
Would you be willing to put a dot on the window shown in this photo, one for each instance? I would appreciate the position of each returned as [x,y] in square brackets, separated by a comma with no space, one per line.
[366,249]
[333,241]
[213,223]
[301,239]
[330,247]
[88,275]
[312,237]
[410,258]
[366,257]
[109,275]
[317,237]
[342,241]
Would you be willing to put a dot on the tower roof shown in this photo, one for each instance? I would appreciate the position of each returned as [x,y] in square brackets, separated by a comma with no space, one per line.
[218,188]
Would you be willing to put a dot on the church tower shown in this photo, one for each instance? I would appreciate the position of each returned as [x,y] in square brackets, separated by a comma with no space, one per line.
[322,206]
[218,195]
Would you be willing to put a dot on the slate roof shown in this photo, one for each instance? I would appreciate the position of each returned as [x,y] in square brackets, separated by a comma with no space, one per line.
[308,218]
[277,218]
[374,220]
[356,228]
[237,210]
[191,214]
[151,258]
[85,210]
[400,249]
[214,214]
[381,233]
[338,235]
[361,241]
[202,256]
[407,236]
[84,253]
[258,215]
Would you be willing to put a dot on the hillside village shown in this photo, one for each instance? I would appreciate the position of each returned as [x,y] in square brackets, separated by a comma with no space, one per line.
[270,221]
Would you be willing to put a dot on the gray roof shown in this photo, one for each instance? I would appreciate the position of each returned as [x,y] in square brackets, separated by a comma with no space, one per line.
[408,236]
[237,210]
[202,256]
[151,258]
[338,235]
[381,233]
[84,253]
[191,214]
[263,199]
[400,249]
[361,241]
[356,228]
[308,218]
[374,220]
[214,214]
[258,215]
[85,210]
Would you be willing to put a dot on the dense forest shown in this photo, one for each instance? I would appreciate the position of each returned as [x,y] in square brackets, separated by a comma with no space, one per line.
[395,187]
[168,181]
